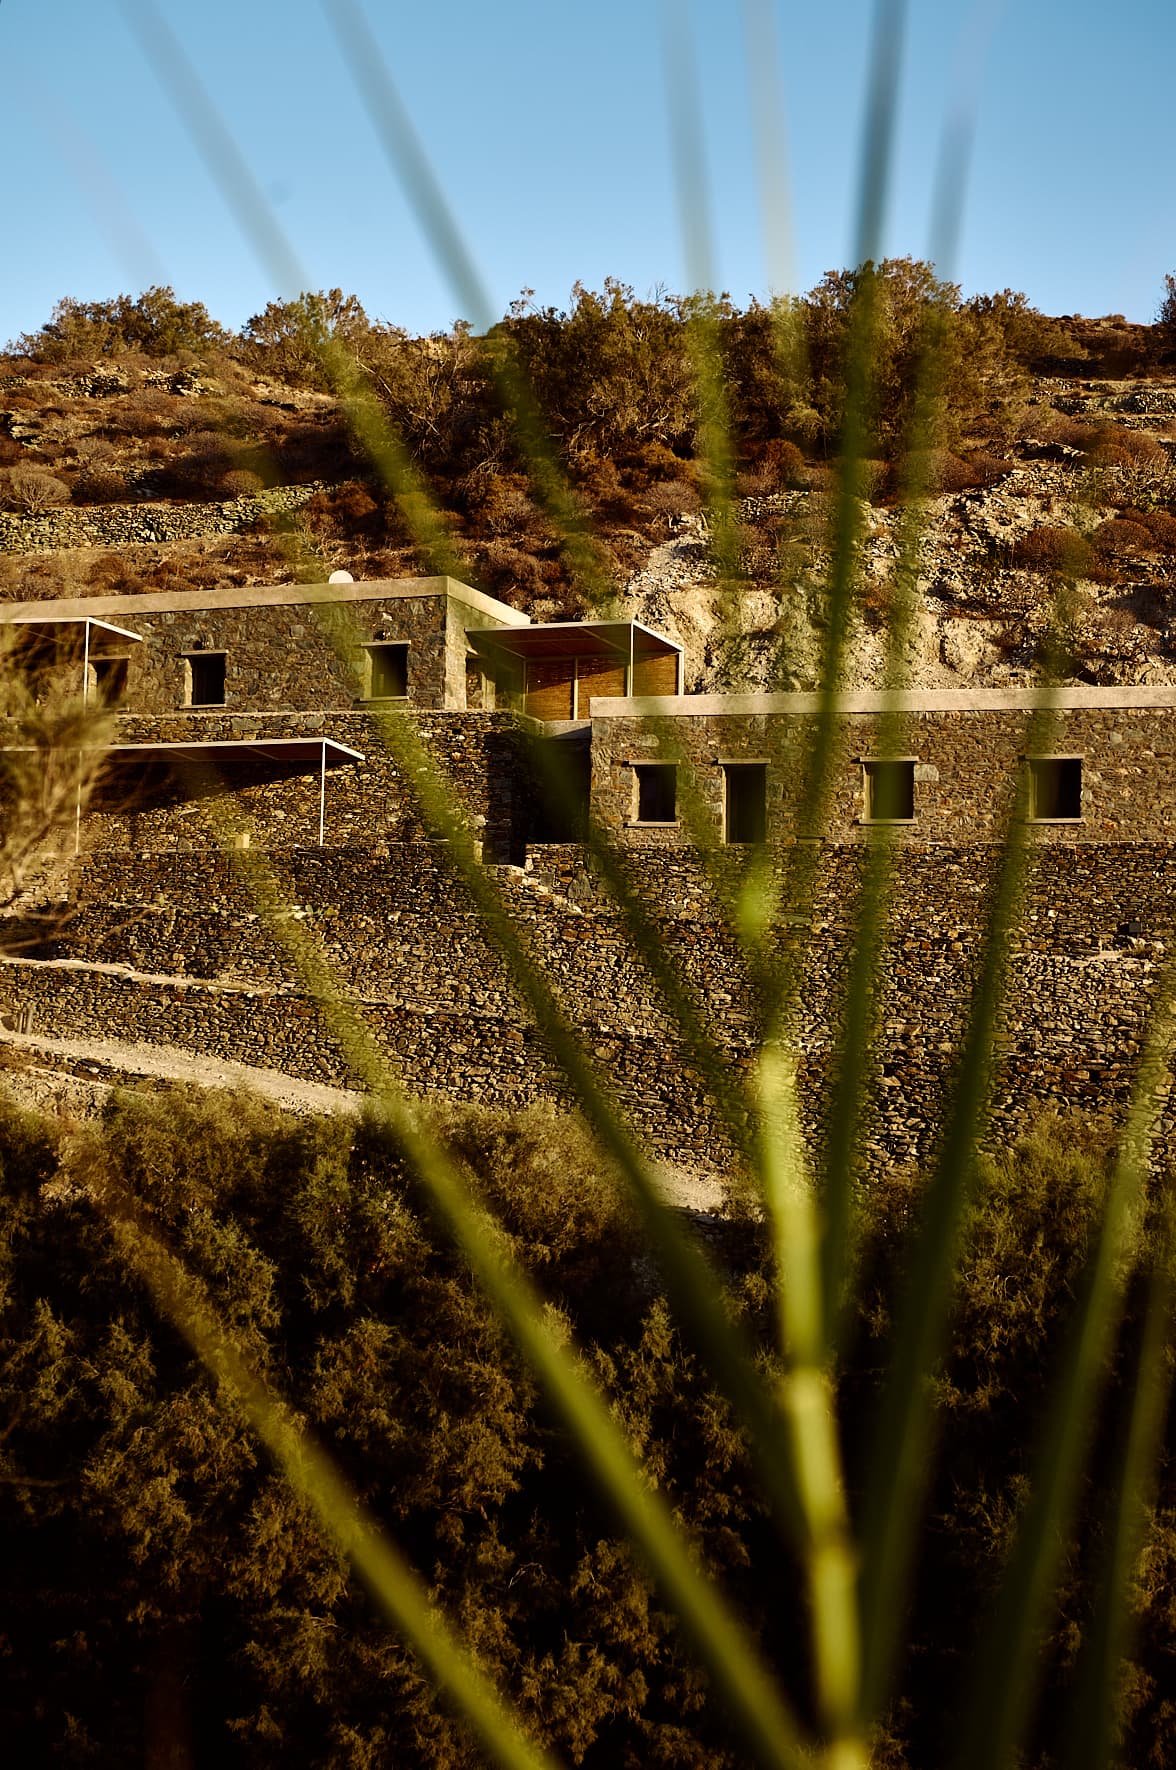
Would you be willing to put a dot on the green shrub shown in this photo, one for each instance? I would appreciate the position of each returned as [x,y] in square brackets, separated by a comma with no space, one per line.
[154,322]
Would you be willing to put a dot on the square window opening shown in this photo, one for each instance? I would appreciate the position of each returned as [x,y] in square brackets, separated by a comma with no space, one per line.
[1055,788]
[204,673]
[889,790]
[657,792]
[387,672]
[745,801]
[110,679]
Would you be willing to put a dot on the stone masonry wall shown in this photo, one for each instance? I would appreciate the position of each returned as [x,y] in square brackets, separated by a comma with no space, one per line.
[279,657]
[966,765]
[368,803]
[123,525]
[169,948]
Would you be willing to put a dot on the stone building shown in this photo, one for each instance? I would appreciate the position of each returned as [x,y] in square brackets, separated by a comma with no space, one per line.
[934,766]
[253,717]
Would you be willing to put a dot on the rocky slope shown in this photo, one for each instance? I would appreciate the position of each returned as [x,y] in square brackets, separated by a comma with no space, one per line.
[990,596]
[171,479]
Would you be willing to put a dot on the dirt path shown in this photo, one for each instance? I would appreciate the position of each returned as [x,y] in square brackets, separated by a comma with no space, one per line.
[176,1065]
[76,1074]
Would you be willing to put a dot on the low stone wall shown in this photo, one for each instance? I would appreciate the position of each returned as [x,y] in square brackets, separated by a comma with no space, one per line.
[402,933]
[125,525]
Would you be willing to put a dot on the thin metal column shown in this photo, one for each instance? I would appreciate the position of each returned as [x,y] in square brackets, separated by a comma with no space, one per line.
[323,794]
[85,702]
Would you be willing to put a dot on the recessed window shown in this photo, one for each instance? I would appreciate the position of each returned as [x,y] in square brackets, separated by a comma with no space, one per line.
[657,792]
[110,679]
[387,675]
[889,783]
[204,679]
[745,801]
[1055,788]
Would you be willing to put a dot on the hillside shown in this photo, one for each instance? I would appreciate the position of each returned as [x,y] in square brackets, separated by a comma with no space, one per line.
[141,450]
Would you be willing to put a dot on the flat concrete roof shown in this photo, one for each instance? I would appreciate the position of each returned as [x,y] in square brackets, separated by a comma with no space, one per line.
[911,700]
[33,623]
[303,749]
[563,639]
[153,602]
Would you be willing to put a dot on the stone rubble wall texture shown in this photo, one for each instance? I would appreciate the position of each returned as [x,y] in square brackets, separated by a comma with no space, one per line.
[169,949]
[124,525]
[967,764]
[284,658]
[368,803]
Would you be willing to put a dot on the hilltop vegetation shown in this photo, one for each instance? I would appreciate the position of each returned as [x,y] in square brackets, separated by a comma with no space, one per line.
[676,473]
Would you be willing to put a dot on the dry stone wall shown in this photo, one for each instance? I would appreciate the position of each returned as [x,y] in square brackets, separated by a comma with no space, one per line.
[170,949]
[280,657]
[125,525]
[369,802]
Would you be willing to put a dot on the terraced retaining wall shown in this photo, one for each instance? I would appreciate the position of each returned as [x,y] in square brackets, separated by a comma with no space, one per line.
[170,949]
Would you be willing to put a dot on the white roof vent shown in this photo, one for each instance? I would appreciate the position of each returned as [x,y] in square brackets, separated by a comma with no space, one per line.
[340,578]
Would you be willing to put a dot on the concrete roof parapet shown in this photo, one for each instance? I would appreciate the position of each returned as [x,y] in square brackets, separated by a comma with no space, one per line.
[264,596]
[927,700]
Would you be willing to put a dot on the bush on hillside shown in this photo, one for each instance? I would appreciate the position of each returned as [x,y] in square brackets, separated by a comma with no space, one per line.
[1062,550]
[155,323]
[1119,538]
[32,490]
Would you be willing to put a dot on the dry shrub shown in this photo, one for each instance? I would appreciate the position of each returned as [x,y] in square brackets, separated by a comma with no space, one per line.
[32,490]
[672,497]
[873,480]
[509,574]
[1160,524]
[1119,538]
[1061,550]
[10,451]
[100,484]
[1116,447]
[39,579]
[150,412]
[238,482]
[1118,624]
[500,503]
[988,468]
[774,548]
[779,467]
[1072,433]
[786,460]
[206,460]
[814,524]
[596,477]
[114,575]
[933,472]
[346,512]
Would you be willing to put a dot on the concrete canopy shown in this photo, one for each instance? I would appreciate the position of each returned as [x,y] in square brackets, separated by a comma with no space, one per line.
[565,639]
[200,767]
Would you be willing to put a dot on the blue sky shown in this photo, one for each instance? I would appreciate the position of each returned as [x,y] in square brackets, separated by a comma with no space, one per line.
[549,128]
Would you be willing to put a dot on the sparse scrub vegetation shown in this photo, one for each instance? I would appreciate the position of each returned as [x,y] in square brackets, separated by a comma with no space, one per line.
[614,383]
[32,490]
[1065,551]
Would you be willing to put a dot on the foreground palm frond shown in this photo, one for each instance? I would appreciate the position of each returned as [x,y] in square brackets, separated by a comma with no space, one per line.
[857,1548]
